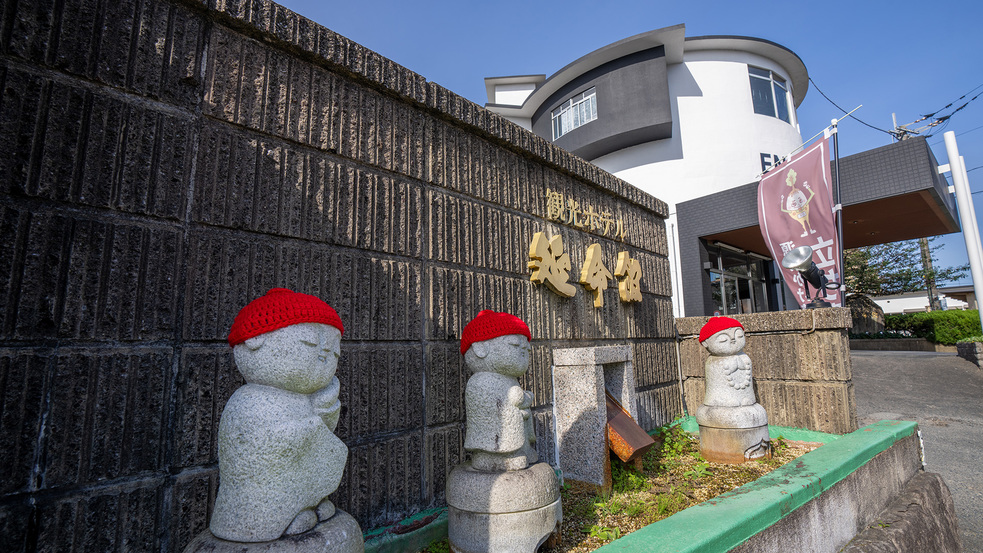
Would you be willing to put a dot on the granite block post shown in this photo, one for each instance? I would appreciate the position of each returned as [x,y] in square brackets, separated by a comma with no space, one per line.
[581,376]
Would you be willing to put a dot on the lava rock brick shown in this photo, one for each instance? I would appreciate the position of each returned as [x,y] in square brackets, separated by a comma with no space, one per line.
[206,380]
[120,518]
[24,378]
[107,415]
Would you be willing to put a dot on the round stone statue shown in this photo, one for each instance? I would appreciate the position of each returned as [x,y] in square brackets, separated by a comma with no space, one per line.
[504,500]
[733,425]
[278,456]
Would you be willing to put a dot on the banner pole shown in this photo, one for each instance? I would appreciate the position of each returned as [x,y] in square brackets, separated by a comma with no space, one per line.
[964,204]
[838,210]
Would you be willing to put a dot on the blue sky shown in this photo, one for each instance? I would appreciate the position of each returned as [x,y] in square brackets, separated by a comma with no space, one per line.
[904,57]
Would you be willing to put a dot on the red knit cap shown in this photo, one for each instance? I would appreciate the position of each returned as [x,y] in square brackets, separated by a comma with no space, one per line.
[716,324]
[489,324]
[279,308]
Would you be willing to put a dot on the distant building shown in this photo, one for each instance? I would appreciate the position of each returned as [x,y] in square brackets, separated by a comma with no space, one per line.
[953,297]
[695,121]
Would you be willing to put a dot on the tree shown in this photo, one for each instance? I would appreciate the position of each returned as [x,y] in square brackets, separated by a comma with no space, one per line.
[894,268]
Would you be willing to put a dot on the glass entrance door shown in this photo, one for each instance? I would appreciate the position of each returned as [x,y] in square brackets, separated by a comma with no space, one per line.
[737,283]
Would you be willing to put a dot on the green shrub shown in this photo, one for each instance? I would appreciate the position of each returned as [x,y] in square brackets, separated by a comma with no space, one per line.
[879,335]
[941,327]
[977,338]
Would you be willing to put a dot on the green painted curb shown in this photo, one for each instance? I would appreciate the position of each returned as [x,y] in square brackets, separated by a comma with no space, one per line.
[690,425]
[727,520]
[800,434]
[381,541]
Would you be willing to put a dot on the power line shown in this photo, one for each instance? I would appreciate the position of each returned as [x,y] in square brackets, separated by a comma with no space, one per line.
[902,131]
[843,110]
[970,130]
[924,117]
[957,134]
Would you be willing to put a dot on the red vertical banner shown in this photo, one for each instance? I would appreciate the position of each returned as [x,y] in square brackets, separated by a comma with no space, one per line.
[795,208]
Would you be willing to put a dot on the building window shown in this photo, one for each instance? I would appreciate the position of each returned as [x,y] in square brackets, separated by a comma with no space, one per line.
[769,93]
[577,111]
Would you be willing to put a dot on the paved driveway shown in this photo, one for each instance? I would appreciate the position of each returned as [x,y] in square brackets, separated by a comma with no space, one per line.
[943,393]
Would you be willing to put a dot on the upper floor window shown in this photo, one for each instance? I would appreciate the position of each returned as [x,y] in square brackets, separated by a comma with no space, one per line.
[577,111]
[769,93]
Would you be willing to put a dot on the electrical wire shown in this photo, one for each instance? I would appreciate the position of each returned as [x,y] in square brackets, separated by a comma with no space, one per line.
[901,131]
[930,115]
[957,134]
[845,111]
[945,125]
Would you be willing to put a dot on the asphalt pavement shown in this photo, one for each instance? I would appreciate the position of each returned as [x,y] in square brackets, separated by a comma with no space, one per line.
[943,393]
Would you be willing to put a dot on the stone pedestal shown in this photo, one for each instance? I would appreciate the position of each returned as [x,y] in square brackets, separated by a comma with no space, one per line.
[733,434]
[339,534]
[502,512]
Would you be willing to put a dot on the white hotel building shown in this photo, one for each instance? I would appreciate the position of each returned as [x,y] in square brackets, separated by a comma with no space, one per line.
[694,121]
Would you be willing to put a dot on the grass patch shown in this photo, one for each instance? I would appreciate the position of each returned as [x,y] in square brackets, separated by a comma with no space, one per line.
[673,477]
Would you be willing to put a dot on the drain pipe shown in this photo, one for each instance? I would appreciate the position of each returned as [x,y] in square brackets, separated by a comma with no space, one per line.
[679,369]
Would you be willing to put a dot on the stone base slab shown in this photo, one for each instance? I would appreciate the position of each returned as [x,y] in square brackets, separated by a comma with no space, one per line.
[521,532]
[502,492]
[734,445]
[508,512]
[339,534]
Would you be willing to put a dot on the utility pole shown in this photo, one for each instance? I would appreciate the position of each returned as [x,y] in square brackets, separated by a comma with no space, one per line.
[934,304]
[902,132]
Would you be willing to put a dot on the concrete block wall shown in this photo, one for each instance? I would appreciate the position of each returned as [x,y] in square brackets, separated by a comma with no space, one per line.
[800,363]
[167,161]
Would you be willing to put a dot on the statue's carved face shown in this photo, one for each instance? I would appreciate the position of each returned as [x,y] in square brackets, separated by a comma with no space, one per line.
[508,355]
[300,358]
[729,341]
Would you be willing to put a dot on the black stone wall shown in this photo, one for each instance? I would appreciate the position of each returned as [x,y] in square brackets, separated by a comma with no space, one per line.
[166,161]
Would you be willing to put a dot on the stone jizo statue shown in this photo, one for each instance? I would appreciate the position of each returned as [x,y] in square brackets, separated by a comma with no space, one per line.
[504,500]
[731,367]
[278,456]
[499,432]
[733,425]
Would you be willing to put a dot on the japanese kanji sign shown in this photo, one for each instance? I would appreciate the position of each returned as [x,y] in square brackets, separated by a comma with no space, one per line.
[594,275]
[570,212]
[551,266]
[629,273]
[795,208]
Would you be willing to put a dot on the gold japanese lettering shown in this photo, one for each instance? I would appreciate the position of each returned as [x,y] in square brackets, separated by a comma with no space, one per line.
[629,273]
[550,265]
[594,275]
[621,232]
[573,210]
[554,205]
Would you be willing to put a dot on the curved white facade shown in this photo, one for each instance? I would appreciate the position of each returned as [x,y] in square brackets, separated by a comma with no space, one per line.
[717,141]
